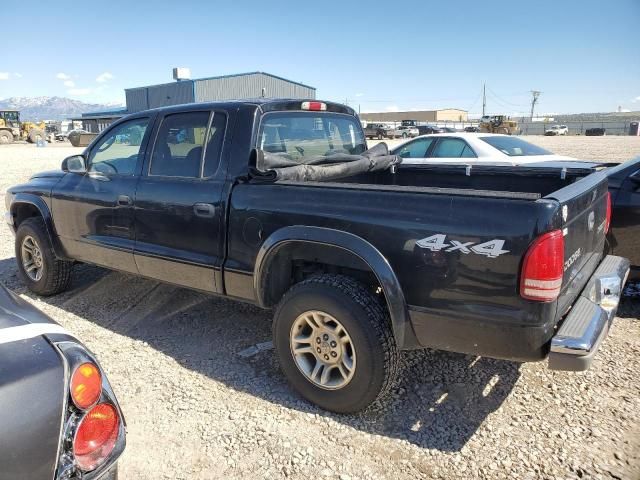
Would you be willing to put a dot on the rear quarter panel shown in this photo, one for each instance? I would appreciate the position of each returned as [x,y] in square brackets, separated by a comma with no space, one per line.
[441,284]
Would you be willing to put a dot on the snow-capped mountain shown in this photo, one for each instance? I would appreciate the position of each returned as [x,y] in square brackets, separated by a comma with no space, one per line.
[51,108]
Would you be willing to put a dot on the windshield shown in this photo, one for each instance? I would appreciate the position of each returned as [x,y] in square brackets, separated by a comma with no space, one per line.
[306,134]
[10,117]
[514,147]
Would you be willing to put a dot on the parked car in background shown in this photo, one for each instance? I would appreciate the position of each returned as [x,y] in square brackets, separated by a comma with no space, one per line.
[407,131]
[449,130]
[59,417]
[470,148]
[471,129]
[595,132]
[359,256]
[557,130]
[429,129]
[62,136]
[375,130]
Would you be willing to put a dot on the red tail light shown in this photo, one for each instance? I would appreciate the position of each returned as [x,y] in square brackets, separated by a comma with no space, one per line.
[543,268]
[86,385]
[314,106]
[608,220]
[96,436]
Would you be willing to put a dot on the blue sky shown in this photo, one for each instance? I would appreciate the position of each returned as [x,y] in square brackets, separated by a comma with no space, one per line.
[583,55]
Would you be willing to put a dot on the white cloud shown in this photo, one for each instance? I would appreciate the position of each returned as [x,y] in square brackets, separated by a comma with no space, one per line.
[69,83]
[637,99]
[62,76]
[392,108]
[17,75]
[79,91]
[359,94]
[4,75]
[104,77]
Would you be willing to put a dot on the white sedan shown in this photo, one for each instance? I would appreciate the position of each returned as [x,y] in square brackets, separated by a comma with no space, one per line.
[469,148]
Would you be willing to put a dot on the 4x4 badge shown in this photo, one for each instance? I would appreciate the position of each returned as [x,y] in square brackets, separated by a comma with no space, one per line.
[435,243]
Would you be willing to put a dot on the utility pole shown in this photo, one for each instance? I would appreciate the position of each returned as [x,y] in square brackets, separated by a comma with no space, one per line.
[534,99]
[484,98]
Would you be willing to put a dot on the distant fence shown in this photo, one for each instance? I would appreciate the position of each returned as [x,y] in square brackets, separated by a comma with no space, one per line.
[526,127]
[575,128]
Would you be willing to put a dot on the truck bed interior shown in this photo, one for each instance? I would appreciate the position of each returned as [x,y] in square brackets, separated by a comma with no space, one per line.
[536,181]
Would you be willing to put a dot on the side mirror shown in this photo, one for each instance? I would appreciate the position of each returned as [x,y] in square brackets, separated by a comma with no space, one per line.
[74,164]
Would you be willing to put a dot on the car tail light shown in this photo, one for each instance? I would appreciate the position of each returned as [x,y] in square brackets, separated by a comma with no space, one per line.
[608,218]
[543,268]
[86,385]
[315,106]
[96,436]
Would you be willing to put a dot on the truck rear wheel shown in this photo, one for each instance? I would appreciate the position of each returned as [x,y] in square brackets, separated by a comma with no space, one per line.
[6,137]
[38,266]
[335,344]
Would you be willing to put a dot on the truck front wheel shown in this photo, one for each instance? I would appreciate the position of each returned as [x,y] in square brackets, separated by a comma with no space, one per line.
[335,344]
[38,266]
[6,136]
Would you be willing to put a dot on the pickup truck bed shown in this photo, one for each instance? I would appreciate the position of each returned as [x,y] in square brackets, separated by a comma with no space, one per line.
[357,266]
[461,291]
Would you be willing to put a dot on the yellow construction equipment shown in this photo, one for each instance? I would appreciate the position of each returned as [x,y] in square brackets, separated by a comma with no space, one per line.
[498,124]
[11,128]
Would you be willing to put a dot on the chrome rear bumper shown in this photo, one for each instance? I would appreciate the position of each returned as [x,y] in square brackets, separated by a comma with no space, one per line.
[587,324]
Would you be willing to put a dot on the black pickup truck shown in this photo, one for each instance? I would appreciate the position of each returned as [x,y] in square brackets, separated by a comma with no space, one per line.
[280,203]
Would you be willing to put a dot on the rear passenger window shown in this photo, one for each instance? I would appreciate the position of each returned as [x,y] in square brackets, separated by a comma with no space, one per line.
[416,149]
[214,144]
[452,148]
[179,145]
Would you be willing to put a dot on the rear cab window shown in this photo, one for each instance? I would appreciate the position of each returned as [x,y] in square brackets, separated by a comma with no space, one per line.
[184,141]
[302,135]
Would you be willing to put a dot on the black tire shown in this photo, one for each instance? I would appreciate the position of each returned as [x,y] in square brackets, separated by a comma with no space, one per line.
[6,137]
[366,322]
[56,274]
[36,134]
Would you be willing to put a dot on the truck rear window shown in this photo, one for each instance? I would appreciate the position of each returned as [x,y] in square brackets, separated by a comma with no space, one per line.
[307,134]
[514,147]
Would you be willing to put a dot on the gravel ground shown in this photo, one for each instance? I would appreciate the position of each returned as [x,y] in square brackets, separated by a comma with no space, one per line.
[197,408]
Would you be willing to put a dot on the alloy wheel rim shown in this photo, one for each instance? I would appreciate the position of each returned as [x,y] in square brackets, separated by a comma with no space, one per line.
[32,260]
[322,350]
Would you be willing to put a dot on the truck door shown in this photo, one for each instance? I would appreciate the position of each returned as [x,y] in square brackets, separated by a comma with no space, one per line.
[179,212]
[93,211]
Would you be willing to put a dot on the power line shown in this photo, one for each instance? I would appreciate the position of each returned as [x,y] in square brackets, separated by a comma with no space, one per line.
[505,101]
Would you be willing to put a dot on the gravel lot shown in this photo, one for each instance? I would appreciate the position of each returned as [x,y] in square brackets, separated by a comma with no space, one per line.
[196,408]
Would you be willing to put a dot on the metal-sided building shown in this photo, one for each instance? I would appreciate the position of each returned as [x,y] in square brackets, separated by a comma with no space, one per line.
[227,87]
[443,115]
[95,122]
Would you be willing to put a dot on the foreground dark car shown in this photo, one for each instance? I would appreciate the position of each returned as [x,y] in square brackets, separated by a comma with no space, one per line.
[624,236]
[59,418]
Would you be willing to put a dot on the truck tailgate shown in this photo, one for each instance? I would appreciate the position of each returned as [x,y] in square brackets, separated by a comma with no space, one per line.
[583,207]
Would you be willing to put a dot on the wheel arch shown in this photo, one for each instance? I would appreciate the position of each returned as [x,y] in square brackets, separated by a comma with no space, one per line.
[24,205]
[333,248]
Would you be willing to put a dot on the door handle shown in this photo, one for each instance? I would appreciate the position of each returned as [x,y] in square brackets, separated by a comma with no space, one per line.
[124,200]
[205,210]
